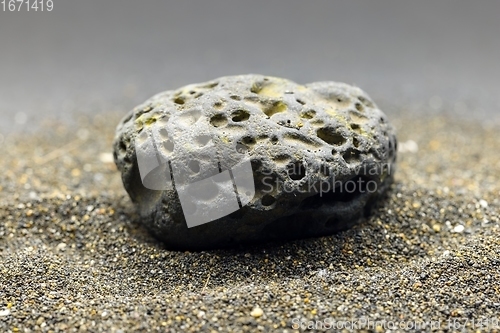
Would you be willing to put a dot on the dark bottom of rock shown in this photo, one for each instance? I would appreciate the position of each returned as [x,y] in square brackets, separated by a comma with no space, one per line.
[316,217]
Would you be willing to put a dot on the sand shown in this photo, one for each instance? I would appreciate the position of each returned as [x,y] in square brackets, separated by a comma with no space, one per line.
[73,256]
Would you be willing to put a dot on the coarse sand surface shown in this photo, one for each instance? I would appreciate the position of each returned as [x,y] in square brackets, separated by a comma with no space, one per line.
[74,257]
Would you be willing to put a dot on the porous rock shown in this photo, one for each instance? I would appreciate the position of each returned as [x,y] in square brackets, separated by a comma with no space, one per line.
[320,154]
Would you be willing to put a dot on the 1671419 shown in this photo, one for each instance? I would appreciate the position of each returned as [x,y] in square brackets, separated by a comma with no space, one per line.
[27,5]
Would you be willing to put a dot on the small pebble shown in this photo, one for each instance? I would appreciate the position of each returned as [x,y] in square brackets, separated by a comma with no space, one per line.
[257,312]
[106,157]
[409,146]
[61,246]
[4,313]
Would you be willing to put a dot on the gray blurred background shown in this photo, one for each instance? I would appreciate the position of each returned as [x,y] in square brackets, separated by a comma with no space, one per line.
[95,56]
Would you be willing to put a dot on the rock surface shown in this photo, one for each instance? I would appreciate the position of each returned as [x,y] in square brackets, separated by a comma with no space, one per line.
[300,160]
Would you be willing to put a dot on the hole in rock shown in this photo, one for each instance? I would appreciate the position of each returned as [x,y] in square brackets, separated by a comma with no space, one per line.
[194,166]
[267,200]
[202,140]
[359,107]
[276,107]
[308,114]
[296,171]
[330,136]
[218,120]
[355,142]
[351,156]
[168,146]
[248,140]
[240,115]
[179,100]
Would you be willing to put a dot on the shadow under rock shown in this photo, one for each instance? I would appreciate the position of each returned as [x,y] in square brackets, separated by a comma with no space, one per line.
[268,261]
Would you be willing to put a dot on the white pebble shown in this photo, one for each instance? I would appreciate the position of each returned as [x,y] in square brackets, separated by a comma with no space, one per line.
[61,246]
[483,203]
[106,157]
[322,272]
[409,146]
[4,313]
[257,312]
[446,253]
[458,228]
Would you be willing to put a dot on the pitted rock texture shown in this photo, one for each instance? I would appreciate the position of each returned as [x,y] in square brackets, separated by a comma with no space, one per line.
[321,153]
